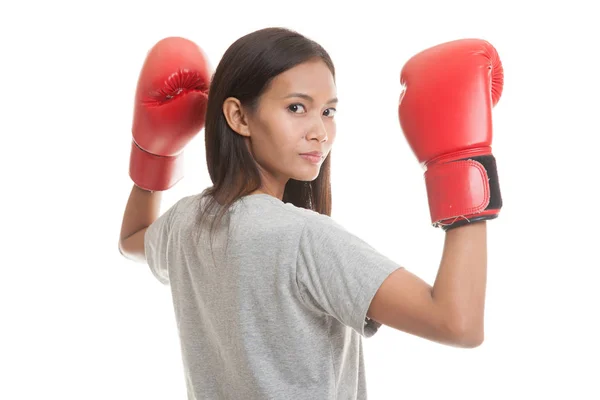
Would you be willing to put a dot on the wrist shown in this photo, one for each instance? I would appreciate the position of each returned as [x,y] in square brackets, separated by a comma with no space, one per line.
[151,172]
[463,189]
[450,225]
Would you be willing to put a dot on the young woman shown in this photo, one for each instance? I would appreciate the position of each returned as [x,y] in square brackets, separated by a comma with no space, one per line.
[272,297]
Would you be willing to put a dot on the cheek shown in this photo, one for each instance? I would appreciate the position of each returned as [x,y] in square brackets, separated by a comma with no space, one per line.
[331,132]
[276,139]
[286,132]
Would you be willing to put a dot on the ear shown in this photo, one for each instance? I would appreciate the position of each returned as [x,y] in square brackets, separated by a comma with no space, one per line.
[235,116]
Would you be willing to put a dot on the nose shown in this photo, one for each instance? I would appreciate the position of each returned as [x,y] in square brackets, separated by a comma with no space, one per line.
[318,131]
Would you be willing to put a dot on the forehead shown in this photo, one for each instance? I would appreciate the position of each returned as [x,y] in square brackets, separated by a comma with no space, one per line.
[312,77]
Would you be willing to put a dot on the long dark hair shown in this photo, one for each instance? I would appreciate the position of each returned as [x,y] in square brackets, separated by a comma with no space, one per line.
[245,72]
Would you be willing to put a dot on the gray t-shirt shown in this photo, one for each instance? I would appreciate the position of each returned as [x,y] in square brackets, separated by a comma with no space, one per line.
[278,310]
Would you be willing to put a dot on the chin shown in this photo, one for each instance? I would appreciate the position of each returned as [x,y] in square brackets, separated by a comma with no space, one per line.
[306,173]
[306,177]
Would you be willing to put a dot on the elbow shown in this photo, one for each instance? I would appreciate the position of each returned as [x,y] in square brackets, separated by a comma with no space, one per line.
[471,340]
[466,336]
[132,247]
[121,252]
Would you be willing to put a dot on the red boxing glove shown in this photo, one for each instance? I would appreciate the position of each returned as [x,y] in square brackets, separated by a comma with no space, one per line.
[445,112]
[170,109]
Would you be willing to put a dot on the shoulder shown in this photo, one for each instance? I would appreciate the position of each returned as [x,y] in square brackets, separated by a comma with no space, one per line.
[187,204]
[271,209]
[322,231]
[273,217]
[312,221]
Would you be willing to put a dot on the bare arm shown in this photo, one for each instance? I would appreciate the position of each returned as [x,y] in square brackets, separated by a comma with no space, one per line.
[450,312]
[143,208]
[460,285]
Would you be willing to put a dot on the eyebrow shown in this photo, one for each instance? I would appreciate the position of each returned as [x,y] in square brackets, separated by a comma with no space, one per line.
[307,97]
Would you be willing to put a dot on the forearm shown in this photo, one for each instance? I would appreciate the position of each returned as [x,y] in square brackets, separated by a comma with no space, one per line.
[142,209]
[460,285]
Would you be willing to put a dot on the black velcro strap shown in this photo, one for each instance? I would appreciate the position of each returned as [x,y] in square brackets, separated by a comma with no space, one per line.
[489,163]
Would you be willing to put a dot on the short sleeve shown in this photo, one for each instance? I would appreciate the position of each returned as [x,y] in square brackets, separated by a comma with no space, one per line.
[156,242]
[338,273]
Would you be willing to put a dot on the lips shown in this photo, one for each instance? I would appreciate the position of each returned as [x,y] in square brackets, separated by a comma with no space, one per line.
[313,153]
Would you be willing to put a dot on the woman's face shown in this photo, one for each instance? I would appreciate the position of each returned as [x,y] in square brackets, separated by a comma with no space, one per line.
[294,116]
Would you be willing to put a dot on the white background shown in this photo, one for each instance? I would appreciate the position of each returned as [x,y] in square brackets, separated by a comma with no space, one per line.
[81,322]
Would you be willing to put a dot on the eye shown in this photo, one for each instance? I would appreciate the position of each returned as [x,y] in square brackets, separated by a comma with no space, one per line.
[330,112]
[295,107]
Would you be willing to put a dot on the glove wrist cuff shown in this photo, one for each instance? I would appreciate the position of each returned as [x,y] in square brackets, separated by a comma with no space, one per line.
[152,172]
[463,191]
